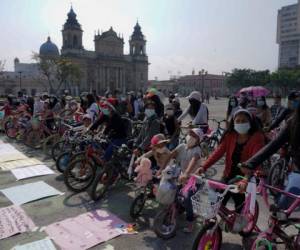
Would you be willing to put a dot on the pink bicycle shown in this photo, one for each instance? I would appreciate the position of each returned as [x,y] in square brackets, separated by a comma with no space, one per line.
[207,203]
[279,220]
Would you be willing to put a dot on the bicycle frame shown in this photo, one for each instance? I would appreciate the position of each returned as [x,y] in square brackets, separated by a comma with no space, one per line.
[278,219]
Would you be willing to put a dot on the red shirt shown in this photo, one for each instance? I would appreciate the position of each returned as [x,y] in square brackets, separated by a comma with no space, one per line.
[227,146]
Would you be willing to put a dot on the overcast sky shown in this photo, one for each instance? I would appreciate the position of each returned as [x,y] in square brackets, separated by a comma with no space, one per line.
[217,35]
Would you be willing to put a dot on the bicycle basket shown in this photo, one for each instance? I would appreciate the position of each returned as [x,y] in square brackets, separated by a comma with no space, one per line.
[206,203]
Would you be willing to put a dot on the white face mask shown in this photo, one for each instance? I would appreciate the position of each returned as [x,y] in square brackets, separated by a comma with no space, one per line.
[260,103]
[149,112]
[242,128]
[232,104]
[190,141]
[170,112]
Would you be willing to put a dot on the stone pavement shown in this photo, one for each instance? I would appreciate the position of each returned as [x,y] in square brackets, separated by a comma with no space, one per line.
[46,211]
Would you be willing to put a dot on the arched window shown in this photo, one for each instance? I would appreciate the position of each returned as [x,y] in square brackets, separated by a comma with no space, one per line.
[75,41]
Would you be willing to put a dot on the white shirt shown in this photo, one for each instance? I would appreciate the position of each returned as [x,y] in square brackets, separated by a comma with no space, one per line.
[201,116]
[93,111]
[185,154]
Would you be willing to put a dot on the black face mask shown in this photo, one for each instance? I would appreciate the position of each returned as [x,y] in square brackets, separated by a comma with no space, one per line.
[194,102]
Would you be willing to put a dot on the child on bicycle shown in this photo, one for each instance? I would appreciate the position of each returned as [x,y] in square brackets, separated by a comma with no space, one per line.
[188,157]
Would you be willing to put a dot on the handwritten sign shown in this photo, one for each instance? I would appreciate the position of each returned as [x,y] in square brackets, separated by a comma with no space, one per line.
[19,163]
[85,230]
[30,192]
[28,172]
[44,244]
[13,220]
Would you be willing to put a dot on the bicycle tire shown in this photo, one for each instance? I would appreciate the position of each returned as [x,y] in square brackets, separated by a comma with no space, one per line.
[79,183]
[158,223]
[101,183]
[49,142]
[205,238]
[34,139]
[137,205]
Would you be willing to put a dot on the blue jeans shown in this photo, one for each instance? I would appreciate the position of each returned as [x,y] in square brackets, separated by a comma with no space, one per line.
[293,187]
[110,148]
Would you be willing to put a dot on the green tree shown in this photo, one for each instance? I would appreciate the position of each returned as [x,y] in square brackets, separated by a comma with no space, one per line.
[59,72]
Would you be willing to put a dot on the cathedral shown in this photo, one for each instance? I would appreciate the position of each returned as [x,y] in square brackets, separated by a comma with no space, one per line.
[106,68]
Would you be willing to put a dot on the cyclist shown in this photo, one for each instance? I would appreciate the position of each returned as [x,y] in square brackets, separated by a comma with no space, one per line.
[241,141]
[233,106]
[276,108]
[197,110]
[114,128]
[188,157]
[289,134]
[286,113]
[150,127]
[172,128]
[263,112]
[92,107]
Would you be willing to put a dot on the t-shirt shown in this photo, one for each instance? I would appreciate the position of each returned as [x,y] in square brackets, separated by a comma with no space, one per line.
[185,154]
[93,111]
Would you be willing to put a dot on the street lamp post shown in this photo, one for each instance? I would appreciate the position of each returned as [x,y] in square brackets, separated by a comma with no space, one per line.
[202,73]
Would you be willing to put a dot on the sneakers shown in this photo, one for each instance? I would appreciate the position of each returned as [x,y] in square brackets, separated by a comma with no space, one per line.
[189,228]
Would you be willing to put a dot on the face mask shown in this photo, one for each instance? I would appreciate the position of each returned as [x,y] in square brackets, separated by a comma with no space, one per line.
[149,112]
[170,112]
[260,103]
[242,128]
[105,112]
[295,104]
[232,104]
[191,141]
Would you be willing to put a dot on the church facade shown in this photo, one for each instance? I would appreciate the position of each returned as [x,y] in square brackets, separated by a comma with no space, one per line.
[106,68]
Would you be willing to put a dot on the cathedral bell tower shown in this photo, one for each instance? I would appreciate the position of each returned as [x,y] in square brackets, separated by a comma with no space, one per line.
[137,42]
[72,33]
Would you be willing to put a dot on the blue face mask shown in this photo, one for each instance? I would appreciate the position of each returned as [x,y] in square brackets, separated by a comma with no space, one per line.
[105,112]
[296,104]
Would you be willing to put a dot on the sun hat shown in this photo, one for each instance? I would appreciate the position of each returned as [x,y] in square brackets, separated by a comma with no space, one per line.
[195,95]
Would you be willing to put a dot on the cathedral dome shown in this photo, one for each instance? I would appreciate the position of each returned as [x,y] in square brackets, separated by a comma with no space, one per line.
[49,49]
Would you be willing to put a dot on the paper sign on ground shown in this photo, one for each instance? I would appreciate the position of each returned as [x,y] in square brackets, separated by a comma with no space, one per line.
[28,172]
[29,192]
[13,220]
[19,163]
[85,230]
[12,157]
[44,244]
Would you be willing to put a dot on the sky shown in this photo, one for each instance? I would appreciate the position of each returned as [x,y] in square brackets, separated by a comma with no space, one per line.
[182,35]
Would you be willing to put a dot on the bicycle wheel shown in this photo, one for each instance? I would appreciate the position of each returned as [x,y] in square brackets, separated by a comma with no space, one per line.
[63,161]
[10,129]
[164,224]
[80,174]
[34,139]
[276,177]
[58,148]
[138,205]
[207,240]
[263,244]
[49,142]
[101,183]
[213,143]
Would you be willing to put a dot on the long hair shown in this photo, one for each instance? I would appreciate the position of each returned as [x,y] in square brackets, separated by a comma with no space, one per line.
[90,99]
[229,108]
[254,126]
[194,107]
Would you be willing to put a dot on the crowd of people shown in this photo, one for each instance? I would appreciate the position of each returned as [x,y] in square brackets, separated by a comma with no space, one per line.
[249,121]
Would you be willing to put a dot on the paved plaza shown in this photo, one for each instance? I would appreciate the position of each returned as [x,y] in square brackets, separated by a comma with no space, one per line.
[49,210]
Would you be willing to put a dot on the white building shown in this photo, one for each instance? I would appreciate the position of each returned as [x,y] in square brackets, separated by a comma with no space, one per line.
[288,36]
